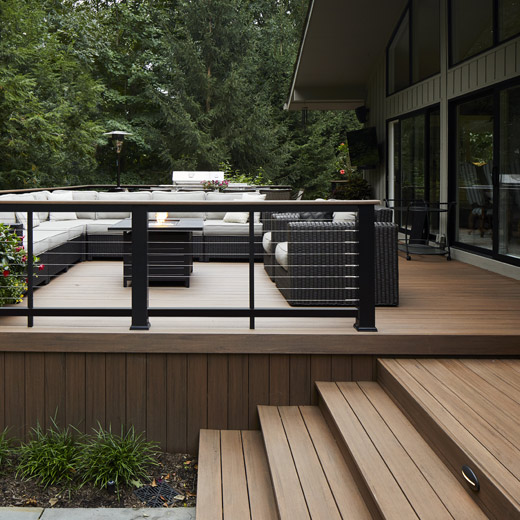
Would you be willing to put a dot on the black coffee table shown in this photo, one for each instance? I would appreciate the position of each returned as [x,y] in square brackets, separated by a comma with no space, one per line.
[170,249]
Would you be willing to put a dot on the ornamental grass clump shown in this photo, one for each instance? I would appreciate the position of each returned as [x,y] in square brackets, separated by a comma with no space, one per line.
[120,460]
[6,450]
[49,456]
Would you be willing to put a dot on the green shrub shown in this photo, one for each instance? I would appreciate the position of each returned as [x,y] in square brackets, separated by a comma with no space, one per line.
[124,458]
[51,456]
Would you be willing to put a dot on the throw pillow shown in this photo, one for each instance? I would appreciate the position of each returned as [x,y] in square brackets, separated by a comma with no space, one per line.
[236,217]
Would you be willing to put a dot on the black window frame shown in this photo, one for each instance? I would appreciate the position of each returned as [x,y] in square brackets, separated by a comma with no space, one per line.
[496,36]
[407,10]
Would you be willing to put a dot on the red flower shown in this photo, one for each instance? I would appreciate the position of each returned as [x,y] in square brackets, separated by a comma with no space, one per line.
[6,273]
[342,172]
[18,249]
[41,267]
[24,259]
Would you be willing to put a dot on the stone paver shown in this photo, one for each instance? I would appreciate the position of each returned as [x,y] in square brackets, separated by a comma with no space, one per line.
[21,513]
[178,513]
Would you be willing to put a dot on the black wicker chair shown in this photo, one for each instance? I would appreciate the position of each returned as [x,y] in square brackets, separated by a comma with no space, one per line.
[322,262]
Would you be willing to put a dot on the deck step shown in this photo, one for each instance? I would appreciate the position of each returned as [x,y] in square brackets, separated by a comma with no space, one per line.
[469,412]
[233,477]
[310,478]
[399,474]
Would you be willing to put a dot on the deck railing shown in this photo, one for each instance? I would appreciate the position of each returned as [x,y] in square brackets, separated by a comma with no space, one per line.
[140,311]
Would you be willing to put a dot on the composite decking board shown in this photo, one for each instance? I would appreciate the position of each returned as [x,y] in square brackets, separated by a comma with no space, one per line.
[209,480]
[437,298]
[387,495]
[261,497]
[480,396]
[235,500]
[286,483]
[343,485]
[453,495]
[499,488]
[489,382]
[414,484]
[485,433]
[318,495]
[502,374]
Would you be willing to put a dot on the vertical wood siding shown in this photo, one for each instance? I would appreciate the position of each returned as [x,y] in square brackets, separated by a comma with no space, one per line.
[499,64]
[168,396]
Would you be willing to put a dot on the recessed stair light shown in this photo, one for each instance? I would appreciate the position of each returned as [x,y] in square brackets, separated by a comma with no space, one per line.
[470,478]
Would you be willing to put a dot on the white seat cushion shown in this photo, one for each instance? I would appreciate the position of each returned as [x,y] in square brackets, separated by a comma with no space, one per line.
[344,216]
[100,226]
[267,242]
[282,255]
[221,228]
[42,195]
[74,228]
[43,240]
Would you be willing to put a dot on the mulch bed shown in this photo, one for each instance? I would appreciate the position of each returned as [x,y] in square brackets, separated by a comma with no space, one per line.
[179,471]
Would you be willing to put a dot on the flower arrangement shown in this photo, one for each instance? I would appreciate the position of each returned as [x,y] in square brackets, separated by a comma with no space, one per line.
[13,266]
[215,185]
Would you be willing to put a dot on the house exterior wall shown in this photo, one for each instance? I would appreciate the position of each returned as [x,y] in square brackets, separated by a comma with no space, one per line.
[492,67]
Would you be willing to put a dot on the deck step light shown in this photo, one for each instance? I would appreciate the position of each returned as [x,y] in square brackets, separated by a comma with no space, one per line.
[470,478]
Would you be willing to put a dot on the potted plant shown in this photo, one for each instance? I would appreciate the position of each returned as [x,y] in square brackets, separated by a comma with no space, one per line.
[351,185]
[13,266]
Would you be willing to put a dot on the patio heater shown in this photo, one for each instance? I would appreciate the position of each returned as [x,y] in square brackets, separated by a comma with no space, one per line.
[117,137]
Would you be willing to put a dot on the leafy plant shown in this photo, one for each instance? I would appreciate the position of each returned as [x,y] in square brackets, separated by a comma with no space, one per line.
[6,450]
[355,187]
[215,185]
[13,266]
[50,456]
[122,459]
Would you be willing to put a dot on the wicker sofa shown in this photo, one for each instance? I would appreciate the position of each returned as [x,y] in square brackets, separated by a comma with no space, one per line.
[63,239]
[313,261]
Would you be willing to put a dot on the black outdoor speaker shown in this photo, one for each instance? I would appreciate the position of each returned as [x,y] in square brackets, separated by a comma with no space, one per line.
[362,114]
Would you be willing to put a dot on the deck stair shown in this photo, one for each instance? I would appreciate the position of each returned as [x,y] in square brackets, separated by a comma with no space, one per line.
[370,450]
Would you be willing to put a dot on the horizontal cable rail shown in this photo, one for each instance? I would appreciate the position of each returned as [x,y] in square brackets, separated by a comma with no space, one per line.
[329,272]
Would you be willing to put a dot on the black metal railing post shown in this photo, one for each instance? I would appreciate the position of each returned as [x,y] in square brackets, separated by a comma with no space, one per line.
[252,269]
[366,318]
[140,320]
[30,270]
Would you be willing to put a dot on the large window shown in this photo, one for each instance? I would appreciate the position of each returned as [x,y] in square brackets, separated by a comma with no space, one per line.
[478,25]
[413,53]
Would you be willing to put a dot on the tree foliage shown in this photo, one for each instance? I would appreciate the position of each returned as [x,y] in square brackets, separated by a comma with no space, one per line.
[198,83]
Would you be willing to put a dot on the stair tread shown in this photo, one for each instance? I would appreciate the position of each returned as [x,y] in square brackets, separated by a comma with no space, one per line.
[386,493]
[286,484]
[454,497]
[233,477]
[470,433]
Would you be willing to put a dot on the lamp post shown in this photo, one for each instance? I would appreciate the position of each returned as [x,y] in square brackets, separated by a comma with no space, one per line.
[117,137]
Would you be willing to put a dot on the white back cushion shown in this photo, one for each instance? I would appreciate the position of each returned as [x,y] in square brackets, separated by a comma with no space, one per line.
[181,196]
[128,196]
[62,215]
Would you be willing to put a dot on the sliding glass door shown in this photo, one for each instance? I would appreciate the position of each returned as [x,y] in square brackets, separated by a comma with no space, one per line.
[509,173]
[485,177]
[415,161]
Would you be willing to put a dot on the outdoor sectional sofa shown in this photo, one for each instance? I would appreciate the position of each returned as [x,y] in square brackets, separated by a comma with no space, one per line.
[63,238]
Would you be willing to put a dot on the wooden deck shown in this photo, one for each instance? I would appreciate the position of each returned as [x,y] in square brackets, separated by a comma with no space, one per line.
[359,456]
[446,308]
